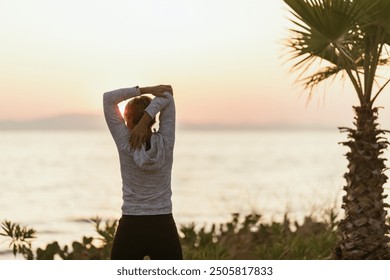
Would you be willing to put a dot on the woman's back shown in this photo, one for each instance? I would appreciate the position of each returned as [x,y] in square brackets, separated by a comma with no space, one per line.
[146,174]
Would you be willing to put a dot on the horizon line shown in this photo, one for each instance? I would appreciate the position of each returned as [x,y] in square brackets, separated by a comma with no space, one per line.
[92,121]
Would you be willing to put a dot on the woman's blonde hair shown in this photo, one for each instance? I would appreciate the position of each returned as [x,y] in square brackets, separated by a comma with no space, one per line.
[136,108]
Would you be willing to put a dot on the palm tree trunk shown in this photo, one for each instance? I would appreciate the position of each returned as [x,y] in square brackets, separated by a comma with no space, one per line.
[363,231]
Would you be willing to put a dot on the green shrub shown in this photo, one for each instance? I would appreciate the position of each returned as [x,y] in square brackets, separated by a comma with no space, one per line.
[243,237]
[90,248]
[21,238]
[248,238]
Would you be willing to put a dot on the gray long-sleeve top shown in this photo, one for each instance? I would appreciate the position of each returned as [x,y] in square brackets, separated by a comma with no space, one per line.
[146,175]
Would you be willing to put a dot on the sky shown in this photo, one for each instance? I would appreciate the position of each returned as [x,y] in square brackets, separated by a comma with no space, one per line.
[224,58]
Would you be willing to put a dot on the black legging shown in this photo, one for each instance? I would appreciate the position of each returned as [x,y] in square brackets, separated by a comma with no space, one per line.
[139,236]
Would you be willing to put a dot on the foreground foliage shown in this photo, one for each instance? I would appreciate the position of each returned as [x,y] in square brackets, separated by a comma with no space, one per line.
[248,238]
[89,248]
[243,237]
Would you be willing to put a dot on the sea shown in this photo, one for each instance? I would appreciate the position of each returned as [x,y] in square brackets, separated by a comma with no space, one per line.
[56,181]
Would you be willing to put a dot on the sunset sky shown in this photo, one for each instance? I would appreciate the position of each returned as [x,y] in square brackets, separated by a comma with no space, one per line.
[225,60]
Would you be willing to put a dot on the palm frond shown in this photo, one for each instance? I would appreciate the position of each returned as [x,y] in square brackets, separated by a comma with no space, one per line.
[325,29]
[347,35]
[385,20]
[323,74]
[384,61]
[378,16]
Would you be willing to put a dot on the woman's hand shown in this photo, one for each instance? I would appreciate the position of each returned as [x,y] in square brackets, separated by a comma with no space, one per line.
[141,132]
[138,136]
[157,90]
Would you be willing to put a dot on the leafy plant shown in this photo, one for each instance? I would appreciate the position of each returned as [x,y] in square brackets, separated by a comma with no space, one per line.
[90,248]
[242,237]
[249,238]
[21,238]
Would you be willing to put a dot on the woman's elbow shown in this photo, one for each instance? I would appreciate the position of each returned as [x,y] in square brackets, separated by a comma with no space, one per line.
[106,96]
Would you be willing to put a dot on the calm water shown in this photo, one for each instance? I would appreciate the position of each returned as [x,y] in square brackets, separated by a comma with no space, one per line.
[54,181]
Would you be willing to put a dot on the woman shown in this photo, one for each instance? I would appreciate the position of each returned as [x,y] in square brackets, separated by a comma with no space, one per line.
[147,227]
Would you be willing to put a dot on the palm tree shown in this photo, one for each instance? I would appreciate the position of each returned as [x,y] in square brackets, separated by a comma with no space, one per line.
[351,39]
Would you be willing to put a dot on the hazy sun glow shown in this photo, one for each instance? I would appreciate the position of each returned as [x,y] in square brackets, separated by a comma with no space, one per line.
[122,106]
[224,59]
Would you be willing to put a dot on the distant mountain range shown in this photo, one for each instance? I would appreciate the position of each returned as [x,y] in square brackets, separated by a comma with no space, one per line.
[63,122]
[97,122]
